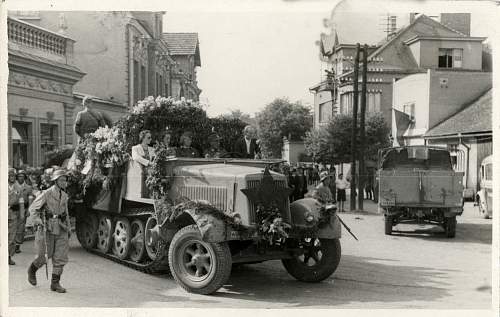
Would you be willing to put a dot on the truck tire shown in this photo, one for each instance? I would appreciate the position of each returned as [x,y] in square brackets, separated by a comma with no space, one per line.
[389,221]
[450,226]
[86,230]
[322,267]
[197,266]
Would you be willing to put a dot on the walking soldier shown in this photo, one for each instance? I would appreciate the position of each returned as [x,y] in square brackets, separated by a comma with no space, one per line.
[13,214]
[49,212]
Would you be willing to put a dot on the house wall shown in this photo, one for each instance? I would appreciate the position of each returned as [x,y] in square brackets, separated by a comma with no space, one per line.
[292,150]
[429,53]
[321,97]
[461,89]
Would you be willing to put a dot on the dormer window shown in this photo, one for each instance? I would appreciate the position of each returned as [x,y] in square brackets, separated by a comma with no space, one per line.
[450,58]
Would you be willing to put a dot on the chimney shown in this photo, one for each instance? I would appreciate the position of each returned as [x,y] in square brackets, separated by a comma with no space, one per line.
[457,21]
[413,16]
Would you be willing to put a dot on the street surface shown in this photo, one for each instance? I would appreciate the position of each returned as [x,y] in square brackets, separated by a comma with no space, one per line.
[406,270]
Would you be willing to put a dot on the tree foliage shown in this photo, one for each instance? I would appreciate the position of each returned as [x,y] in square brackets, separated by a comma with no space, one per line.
[282,118]
[332,144]
[239,115]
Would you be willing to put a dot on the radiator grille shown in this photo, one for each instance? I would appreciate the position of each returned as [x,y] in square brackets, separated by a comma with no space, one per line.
[216,195]
[282,205]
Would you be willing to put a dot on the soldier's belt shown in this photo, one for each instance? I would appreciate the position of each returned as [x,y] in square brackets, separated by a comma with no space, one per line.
[49,215]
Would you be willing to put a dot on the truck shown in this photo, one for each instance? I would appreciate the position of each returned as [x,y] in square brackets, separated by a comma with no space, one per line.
[484,197]
[216,218]
[417,184]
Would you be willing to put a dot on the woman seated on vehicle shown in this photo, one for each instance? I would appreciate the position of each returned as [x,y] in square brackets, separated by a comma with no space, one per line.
[142,156]
[215,150]
[165,143]
[186,150]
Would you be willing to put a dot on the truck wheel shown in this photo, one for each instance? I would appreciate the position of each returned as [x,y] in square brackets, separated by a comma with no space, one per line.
[450,226]
[320,259]
[389,221]
[197,266]
[86,230]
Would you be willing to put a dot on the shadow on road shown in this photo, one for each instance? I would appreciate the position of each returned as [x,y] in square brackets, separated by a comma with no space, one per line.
[466,232]
[376,280]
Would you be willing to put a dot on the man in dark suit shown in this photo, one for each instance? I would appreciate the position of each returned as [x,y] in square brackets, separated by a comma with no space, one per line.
[248,147]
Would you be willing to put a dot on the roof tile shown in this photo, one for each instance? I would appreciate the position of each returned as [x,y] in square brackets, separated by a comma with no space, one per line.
[181,43]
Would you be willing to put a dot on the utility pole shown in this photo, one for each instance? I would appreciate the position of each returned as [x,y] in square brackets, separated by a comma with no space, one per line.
[361,171]
[354,129]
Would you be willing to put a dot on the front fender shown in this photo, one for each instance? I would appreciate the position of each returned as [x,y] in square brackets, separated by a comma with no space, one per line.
[212,229]
[300,208]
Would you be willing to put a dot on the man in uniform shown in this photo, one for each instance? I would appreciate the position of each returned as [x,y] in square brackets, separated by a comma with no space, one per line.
[88,120]
[49,212]
[26,195]
[13,214]
[322,191]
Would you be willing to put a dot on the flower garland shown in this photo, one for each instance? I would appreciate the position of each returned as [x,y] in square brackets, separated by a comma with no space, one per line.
[271,228]
[157,182]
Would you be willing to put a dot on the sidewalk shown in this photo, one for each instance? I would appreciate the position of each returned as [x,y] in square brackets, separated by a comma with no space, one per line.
[369,206]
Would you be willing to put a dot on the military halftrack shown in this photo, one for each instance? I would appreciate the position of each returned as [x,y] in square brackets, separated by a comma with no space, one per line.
[217,223]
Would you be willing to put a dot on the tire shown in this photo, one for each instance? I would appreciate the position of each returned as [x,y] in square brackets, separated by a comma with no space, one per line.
[450,226]
[389,221]
[209,264]
[322,268]
[137,245]
[86,230]
[121,238]
[104,233]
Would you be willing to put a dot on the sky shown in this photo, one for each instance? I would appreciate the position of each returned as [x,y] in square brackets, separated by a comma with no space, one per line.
[251,56]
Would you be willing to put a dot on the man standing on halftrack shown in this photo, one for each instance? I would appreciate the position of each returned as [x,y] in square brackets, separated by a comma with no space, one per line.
[50,216]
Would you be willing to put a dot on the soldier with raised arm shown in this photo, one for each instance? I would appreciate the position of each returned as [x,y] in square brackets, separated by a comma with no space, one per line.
[49,213]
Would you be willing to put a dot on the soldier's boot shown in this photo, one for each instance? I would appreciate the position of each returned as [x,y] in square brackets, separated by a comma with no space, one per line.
[11,262]
[55,286]
[18,248]
[32,274]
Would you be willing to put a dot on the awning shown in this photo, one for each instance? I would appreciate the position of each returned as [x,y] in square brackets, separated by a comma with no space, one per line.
[15,135]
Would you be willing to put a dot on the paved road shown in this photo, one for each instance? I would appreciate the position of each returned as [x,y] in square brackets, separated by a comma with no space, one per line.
[406,270]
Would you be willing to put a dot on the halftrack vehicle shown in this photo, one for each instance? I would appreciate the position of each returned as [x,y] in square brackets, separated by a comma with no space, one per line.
[417,184]
[218,223]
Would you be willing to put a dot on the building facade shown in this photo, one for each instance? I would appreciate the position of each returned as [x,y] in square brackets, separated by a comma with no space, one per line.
[125,58]
[423,44]
[40,91]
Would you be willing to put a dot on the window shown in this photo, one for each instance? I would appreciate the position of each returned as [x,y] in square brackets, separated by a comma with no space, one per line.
[489,172]
[346,103]
[373,104]
[325,112]
[143,82]
[48,138]
[450,58]
[21,143]
[161,85]
[409,109]
[136,81]
[167,92]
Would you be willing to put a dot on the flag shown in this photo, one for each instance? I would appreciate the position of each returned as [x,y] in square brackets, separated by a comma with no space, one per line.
[402,123]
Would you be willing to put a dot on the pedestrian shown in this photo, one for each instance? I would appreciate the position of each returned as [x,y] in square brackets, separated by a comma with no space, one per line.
[50,217]
[300,183]
[341,185]
[322,191]
[369,184]
[333,186]
[248,146]
[13,211]
[292,179]
[25,197]
[88,120]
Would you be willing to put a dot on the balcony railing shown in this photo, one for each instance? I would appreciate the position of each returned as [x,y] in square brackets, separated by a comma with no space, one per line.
[25,34]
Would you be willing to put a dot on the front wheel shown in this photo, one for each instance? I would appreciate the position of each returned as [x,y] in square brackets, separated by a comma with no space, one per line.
[319,260]
[199,267]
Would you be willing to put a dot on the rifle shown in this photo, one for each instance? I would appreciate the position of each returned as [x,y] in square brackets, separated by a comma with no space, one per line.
[44,227]
[347,228]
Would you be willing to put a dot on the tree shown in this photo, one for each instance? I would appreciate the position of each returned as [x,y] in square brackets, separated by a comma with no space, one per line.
[332,144]
[282,118]
[238,114]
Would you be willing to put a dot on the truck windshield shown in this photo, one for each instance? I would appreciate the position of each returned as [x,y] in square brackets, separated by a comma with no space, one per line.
[398,158]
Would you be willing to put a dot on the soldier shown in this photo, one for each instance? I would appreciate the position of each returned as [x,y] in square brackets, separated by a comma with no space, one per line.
[186,150]
[50,216]
[13,214]
[322,191]
[26,196]
[215,151]
[88,120]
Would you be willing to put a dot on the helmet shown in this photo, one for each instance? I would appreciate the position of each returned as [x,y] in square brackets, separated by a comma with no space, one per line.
[57,174]
[21,172]
[12,171]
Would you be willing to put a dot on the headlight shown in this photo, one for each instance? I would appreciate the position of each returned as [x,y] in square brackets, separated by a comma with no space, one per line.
[309,217]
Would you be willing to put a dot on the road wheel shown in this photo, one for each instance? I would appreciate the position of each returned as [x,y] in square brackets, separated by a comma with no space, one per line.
[86,230]
[389,222]
[450,226]
[151,241]
[121,238]
[104,233]
[320,259]
[137,246]
[199,267]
